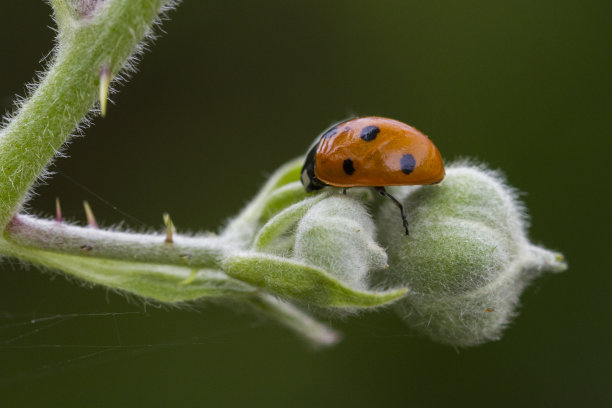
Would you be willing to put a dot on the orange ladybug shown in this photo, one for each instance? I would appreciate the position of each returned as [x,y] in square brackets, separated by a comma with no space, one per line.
[372,152]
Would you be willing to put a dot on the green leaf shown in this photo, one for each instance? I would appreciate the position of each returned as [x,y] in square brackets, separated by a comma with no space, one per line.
[306,283]
[282,198]
[164,283]
[242,229]
[316,333]
[284,221]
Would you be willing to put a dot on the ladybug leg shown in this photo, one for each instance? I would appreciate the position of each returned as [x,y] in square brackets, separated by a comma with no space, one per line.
[344,191]
[383,192]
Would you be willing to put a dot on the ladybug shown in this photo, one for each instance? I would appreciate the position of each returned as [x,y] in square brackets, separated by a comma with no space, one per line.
[372,152]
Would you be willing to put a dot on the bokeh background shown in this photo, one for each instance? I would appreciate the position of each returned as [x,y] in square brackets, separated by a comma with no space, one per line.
[235,89]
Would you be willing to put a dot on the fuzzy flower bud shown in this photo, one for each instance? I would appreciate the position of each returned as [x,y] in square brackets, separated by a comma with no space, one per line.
[327,262]
[467,258]
[338,235]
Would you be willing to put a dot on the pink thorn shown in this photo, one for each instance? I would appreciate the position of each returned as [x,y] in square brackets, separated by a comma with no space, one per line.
[58,210]
[91,220]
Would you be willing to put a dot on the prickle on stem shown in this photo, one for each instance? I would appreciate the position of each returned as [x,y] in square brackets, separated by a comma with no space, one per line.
[170,229]
[105,78]
[91,219]
[58,210]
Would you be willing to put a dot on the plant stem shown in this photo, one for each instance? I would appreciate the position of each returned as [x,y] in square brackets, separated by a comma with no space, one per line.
[66,93]
[96,39]
[197,252]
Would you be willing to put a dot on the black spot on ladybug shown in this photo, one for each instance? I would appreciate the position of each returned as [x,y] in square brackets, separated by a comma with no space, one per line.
[330,133]
[369,133]
[407,163]
[348,167]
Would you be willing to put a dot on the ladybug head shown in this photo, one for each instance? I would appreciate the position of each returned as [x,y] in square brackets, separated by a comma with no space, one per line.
[308,178]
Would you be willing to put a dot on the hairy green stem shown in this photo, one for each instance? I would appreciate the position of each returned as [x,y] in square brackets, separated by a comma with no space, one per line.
[197,252]
[67,92]
[95,41]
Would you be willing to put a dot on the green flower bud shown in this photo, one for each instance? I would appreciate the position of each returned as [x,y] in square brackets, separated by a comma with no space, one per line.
[333,252]
[467,258]
[338,235]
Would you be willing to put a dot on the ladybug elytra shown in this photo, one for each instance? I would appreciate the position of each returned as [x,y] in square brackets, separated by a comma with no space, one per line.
[372,152]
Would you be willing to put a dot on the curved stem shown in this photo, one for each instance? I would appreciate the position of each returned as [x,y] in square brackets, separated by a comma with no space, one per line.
[96,39]
[66,93]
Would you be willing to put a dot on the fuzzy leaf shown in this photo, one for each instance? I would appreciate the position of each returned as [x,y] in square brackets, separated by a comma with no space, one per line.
[306,283]
[271,233]
[164,283]
[243,228]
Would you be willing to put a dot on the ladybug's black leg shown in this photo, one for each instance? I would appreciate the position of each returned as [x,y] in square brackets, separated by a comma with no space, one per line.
[383,192]
[344,191]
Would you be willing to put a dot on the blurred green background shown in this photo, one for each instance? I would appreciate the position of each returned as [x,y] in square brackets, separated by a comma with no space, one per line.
[233,90]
